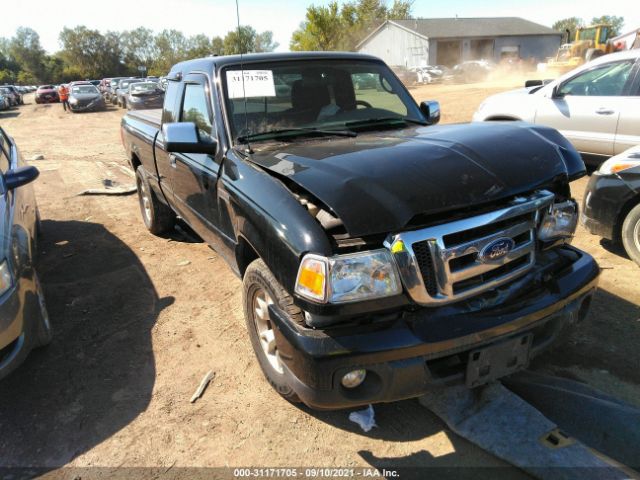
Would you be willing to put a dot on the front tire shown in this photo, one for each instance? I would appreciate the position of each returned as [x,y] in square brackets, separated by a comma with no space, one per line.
[260,290]
[157,217]
[631,234]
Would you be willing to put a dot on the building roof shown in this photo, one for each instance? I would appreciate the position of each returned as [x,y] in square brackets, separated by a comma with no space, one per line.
[475,27]
[470,27]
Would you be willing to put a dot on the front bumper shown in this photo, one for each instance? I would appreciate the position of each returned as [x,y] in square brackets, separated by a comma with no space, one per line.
[604,199]
[91,107]
[404,356]
[48,99]
[13,331]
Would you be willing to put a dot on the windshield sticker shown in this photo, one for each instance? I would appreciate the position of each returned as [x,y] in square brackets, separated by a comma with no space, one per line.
[257,83]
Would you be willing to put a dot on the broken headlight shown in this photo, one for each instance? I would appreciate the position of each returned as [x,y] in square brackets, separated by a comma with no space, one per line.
[559,221]
[348,278]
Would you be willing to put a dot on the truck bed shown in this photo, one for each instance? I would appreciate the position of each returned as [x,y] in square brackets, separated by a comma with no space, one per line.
[153,117]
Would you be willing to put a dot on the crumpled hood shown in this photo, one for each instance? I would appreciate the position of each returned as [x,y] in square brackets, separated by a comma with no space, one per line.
[377,182]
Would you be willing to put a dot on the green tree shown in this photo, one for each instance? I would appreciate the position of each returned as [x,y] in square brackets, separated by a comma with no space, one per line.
[90,54]
[25,49]
[217,46]
[264,42]
[332,27]
[571,24]
[616,23]
[199,46]
[138,48]
[172,47]
[7,76]
[241,40]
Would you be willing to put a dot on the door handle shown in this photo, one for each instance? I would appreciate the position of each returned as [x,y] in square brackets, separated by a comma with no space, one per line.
[604,111]
[172,160]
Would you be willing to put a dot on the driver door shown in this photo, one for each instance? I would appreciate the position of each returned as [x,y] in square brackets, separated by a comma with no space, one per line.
[194,176]
[586,108]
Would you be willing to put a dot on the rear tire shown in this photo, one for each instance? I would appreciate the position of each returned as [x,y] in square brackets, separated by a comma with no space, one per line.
[157,217]
[260,289]
[631,234]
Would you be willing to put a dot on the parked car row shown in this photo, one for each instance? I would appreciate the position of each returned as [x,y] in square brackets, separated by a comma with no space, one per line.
[11,96]
[125,93]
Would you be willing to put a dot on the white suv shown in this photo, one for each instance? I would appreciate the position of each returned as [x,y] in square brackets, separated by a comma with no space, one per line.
[596,106]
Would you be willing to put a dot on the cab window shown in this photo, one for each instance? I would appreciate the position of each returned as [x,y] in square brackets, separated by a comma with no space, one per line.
[604,81]
[195,109]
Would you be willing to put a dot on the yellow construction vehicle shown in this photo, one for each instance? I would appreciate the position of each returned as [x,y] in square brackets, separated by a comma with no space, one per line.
[589,43]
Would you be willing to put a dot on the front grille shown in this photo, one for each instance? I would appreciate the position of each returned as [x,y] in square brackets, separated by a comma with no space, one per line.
[425,262]
[457,260]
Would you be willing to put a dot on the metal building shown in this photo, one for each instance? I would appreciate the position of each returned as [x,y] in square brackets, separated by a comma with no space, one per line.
[448,41]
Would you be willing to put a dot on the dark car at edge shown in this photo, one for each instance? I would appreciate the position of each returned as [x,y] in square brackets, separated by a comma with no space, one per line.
[24,322]
[611,205]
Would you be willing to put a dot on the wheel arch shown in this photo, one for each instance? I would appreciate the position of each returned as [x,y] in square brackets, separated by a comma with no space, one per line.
[622,214]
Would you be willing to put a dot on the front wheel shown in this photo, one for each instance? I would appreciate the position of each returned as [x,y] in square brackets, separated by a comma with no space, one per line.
[631,234]
[157,217]
[260,291]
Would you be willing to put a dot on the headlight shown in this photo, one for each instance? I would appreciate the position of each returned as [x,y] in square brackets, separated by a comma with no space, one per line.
[348,278]
[73,101]
[617,164]
[559,221]
[5,277]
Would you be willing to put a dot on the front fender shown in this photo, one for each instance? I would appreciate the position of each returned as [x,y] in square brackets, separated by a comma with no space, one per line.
[265,213]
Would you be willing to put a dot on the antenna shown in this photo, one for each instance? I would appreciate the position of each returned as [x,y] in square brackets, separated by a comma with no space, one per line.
[248,150]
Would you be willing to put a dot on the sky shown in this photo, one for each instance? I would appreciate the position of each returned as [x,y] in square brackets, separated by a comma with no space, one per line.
[217,17]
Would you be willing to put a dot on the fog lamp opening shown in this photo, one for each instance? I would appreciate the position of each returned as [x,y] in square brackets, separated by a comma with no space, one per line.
[354,378]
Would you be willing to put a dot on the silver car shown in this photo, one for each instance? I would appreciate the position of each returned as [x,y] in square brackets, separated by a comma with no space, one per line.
[596,106]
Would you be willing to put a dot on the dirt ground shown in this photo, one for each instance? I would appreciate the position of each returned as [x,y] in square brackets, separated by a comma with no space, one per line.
[140,319]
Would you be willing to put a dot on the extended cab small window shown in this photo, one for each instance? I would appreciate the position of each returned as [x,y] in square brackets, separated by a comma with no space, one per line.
[194,109]
[605,81]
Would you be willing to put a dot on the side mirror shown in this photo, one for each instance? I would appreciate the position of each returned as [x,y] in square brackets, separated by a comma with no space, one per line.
[556,92]
[533,83]
[20,176]
[431,111]
[183,137]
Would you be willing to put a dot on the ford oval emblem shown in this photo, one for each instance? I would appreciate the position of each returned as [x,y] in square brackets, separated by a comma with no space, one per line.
[496,250]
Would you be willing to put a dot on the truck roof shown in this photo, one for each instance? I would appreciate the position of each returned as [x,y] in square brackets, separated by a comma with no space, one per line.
[211,63]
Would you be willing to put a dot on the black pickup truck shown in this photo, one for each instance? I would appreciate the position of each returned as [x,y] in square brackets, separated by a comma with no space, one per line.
[380,254]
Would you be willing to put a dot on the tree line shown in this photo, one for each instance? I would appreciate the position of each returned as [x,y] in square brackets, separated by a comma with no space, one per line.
[87,53]
[91,54]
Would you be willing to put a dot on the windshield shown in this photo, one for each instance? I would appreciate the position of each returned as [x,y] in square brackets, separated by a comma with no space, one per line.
[313,94]
[84,89]
[143,87]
